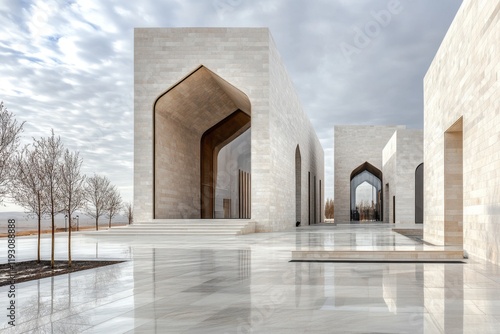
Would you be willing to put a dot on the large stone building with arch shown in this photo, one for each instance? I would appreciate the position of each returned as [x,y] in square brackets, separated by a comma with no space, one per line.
[462,134]
[220,132]
[389,159]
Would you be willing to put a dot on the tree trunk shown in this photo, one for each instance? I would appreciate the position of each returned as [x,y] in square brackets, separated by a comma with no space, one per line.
[39,237]
[96,223]
[39,228]
[69,239]
[70,228]
[110,222]
[53,237]
[52,253]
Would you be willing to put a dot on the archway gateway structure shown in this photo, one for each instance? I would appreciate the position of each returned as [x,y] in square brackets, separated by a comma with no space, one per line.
[366,172]
[217,126]
[385,157]
[207,114]
[357,147]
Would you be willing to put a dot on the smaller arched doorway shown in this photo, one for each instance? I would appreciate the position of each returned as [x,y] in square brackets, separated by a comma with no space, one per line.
[419,194]
[367,207]
[298,186]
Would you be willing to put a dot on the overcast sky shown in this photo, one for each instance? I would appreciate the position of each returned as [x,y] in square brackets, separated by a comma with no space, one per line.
[68,64]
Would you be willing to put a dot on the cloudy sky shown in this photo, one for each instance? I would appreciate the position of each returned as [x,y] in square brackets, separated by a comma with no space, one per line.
[68,64]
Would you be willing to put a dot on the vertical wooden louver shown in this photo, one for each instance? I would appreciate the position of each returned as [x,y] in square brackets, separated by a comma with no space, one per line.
[244,194]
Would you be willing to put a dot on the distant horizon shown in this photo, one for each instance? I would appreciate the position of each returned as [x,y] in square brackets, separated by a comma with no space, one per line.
[23,216]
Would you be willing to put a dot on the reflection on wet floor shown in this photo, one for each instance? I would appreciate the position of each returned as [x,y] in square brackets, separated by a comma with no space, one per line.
[247,284]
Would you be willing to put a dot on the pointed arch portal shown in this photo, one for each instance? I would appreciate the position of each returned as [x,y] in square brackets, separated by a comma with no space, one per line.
[419,194]
[370,174]
[298,186]
[202,149]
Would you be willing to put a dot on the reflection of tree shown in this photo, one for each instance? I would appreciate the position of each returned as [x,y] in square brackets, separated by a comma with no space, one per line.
[54,310]
[104,276]
[367,211]
[44,310]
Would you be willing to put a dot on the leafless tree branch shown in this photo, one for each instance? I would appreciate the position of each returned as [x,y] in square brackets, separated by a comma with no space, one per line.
[9,142]
[95,192]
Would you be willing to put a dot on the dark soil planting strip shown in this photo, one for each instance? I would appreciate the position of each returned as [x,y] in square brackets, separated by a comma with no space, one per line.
[31,270]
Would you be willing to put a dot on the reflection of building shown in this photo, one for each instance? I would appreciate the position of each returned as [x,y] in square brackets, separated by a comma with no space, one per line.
[233,178]
[219,131]
[387,159]
[462,134]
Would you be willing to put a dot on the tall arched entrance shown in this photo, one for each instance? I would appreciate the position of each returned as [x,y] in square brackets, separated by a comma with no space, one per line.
[225,168]
[201,150]
[298,186]
[366,206]
[419,194]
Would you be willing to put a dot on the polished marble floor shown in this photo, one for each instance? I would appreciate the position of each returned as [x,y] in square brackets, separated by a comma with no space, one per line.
[246,284]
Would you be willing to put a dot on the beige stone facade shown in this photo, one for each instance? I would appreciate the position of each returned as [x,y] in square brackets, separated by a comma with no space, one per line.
[462,141]
[353,146]
[400,158]
[187,80]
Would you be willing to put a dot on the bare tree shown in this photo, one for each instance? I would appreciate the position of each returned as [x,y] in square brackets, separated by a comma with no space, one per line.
[72,185]
[113,203]
[28,186]
[329,208]
[51,150]
[96,192]
[129,212]
[9,141]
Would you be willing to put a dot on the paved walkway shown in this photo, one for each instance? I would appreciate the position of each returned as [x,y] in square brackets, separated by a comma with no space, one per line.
[246,284]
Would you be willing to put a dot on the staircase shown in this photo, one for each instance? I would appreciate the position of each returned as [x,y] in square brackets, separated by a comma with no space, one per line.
[167,227]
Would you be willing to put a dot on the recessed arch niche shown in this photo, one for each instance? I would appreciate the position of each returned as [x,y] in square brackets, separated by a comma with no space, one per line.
[194,121]
[370,174]
[298,186]
[419,194]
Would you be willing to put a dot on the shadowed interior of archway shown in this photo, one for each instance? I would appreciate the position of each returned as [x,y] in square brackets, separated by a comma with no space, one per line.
[368,173]
[212,141]
[193,121]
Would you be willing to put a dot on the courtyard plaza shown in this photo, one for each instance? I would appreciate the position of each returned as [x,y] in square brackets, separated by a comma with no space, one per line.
[247,284]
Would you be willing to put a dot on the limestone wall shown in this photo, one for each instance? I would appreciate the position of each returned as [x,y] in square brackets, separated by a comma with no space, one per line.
[410,155]
[389,162]
[462,100]
[247,59]
[354,145]
[289,127]
[401,156]
[162,57]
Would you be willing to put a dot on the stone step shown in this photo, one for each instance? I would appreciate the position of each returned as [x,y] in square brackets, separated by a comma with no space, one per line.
[389,255]
[161,233]
[178,227]
[153,230]
[183,227]
[195,221]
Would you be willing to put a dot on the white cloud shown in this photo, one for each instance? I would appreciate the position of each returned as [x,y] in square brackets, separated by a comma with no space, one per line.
[68,65]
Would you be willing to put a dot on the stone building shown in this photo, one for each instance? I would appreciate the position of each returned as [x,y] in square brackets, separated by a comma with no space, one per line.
[220,132]
[402,159]
[385,157]
[462,134]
